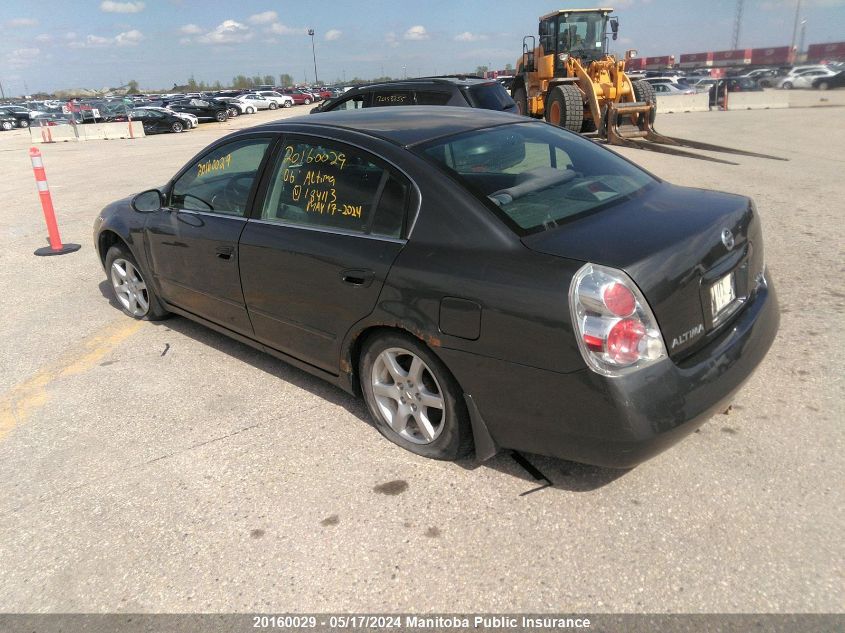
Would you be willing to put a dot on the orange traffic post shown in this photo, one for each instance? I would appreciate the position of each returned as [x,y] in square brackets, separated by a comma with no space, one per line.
[56,247]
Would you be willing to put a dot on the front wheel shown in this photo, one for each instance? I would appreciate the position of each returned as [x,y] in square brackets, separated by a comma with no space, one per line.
[565,107]
[413,398]
[521,100]
[787,85]
[176,127]
[644,91]
[250,110]
[23,123]
[7,125]
[273,105]
[824,86]
[308,102]
[288,104]
[130,287]
[221,116]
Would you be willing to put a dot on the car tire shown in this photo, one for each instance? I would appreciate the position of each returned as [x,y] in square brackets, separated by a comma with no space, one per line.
[307,101]
[288,104]
[565,107]
[221,117]
[439,429]
[521,100]
[7,125]
[233,113]
[23,123]
[823,85]
[129,285]
[644,91]
[787,85]
[273,105]
[250,110]
[176,127]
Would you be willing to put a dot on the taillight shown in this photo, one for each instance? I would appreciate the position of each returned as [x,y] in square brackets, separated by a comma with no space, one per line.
[616,330]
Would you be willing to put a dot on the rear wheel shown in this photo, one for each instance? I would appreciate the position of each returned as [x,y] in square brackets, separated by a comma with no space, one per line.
[413,398]
[787,85]
[23,123]
[521,100]
[176,127]
[823,85]
[565,107]
[273,105]
[288,103]
[644,91]
[7,125]
[221,116]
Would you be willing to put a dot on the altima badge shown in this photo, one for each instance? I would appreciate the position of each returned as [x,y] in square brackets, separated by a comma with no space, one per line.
[728,239]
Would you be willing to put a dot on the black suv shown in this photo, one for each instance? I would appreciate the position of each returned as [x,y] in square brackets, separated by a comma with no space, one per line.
[470,92]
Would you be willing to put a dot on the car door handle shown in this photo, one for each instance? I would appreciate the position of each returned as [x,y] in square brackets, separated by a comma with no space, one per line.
[225,252]
[358,277]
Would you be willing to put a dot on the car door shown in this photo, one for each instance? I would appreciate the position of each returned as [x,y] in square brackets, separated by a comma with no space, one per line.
[193,241]
[314,260]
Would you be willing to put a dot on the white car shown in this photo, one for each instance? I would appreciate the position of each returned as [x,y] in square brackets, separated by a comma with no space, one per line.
[243,106]
[672,89]
[258,102]
[191,120]
[805,78]
[282,101]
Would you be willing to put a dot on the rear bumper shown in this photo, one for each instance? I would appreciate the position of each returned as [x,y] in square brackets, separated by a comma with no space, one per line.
[616,422]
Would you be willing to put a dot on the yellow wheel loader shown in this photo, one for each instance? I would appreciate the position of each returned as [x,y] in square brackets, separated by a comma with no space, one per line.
[569,78]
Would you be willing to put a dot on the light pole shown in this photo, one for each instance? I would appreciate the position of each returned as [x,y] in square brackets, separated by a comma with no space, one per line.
[404,74]
[314,55]
[795,26]
[801,39]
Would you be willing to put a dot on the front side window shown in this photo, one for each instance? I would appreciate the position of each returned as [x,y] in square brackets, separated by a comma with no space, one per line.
[332,186]
[353,103]
[432,97]
[490,96]
[536,176]
[220,182]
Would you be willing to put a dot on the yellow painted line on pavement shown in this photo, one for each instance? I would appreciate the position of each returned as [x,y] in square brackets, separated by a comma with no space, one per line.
[20,402]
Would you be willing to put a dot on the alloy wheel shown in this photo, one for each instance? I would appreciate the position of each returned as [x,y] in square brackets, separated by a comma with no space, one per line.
[408,396]
[129,287]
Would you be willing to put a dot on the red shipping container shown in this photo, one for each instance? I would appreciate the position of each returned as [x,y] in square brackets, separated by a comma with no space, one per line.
[732,58]
[653,63]
[692,60]
[779,56]
[834,51]
[636,64]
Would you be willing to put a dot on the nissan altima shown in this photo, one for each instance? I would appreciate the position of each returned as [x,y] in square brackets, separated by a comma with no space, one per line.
[485,282]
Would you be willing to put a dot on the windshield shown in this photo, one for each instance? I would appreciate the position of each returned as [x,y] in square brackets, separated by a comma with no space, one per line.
[536,176]
[581,33]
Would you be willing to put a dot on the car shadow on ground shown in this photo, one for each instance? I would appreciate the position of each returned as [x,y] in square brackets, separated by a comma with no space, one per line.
[537,471]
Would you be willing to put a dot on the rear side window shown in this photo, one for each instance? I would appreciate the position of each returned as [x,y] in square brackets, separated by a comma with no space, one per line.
[392,98]
[433,98]
[353,103]
[333,186]
[490,96]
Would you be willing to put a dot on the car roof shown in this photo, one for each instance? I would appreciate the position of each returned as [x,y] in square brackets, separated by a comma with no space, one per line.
[408,125]
[429,82]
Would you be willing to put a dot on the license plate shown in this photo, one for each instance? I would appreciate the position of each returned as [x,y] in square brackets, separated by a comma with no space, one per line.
[722,293]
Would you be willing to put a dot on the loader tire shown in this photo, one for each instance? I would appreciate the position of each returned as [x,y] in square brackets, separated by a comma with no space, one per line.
[644,91]
[521,100]
[565,107]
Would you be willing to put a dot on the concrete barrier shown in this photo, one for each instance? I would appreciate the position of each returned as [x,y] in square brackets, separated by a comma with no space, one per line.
[815,98]
[52,133]
[86,132]
[683,103]
[766,100]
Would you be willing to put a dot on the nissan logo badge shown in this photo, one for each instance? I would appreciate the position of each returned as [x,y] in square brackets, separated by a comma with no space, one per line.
[728,239]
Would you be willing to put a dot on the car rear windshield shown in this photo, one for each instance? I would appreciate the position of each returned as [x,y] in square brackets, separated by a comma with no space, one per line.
[490,96]
[536,176]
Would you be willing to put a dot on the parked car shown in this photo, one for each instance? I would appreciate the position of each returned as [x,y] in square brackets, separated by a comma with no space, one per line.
[299,97]
[202,109]
[765,77]
[484,280]
[734,84]
[190,120]
[21,117]
[805,79]
[156,121]
[833,81]
[452,91]
[240,105]
[666,88]
[8,122]
[281,100]
[258,102]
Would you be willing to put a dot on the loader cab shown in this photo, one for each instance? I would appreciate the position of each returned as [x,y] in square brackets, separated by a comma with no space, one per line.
[579,33]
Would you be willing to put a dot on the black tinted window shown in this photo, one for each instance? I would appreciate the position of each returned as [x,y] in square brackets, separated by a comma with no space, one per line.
[490,96]
[332,186]
[433,98]
[392,208]
[392,98]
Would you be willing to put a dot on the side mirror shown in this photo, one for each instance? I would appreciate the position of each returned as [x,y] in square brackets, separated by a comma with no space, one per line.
[148,201]
[614,26]
[317,109]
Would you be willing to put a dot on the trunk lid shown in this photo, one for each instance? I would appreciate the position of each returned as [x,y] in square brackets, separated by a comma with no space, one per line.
[669,240]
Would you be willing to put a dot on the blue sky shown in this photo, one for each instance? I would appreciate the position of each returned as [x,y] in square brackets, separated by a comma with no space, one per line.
[96,43]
